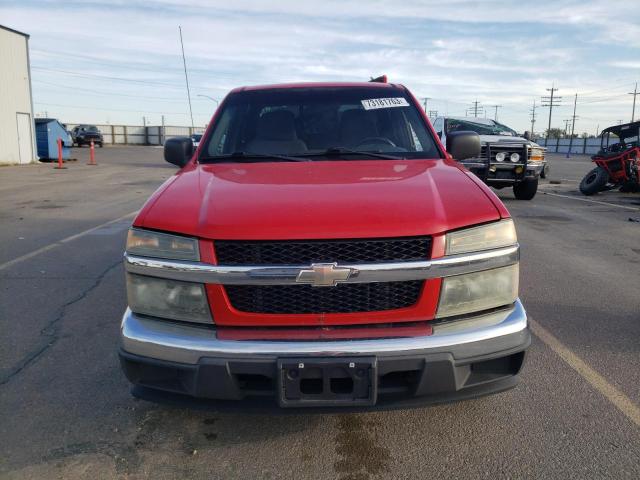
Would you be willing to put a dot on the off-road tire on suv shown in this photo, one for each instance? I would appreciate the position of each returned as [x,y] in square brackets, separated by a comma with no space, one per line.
[594,181]
[526,189]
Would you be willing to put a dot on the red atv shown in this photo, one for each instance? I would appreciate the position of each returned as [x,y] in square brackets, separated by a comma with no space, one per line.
[618,161]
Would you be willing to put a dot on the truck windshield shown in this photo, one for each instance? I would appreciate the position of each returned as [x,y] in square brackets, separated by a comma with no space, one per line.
[319,123]
[487,127]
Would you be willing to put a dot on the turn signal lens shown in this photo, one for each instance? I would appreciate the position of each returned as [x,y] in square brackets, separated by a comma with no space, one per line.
[537,155]
[485,237]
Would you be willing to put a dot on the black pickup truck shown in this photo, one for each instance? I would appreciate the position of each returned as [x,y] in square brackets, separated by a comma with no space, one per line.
[84,134]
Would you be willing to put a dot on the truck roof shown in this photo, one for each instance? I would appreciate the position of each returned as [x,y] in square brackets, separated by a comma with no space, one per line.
[318,85]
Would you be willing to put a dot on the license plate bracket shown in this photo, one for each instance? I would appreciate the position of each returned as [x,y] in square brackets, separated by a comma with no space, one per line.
[319,382]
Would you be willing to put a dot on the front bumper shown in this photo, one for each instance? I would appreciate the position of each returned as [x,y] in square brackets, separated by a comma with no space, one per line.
[460,359]
[504,174]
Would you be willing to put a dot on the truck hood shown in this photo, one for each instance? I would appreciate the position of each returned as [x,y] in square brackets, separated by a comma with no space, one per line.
[506,139]
[320,199]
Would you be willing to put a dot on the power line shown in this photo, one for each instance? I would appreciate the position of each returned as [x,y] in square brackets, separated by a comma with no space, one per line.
[100,92]
[106,77]
[117,63]
[128,110]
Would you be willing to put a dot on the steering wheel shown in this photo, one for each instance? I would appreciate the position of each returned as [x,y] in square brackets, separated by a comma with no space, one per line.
[374,140]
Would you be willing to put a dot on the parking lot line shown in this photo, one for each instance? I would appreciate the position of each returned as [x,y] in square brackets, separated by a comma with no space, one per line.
[51,246]
[597,381]
[592,201]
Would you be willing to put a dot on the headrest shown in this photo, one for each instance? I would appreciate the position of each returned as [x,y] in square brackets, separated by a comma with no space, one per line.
[278,125]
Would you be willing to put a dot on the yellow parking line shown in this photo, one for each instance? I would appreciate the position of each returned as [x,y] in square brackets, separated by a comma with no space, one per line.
[592,201]
[62,242]
[597,381]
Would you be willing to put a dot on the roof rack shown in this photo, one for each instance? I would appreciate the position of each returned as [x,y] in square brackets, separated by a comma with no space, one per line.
[380,79]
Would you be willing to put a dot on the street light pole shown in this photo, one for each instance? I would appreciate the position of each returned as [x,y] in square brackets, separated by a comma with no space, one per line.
[210,98]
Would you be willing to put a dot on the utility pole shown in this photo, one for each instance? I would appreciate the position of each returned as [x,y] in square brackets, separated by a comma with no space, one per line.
[476,108]
[533,117]
[573,124]
[635,93]
[495,116]
[550,101]
[186,77]
[425,103]
[566,125]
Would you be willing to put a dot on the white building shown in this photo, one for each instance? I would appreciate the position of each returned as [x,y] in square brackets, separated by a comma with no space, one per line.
[17,135]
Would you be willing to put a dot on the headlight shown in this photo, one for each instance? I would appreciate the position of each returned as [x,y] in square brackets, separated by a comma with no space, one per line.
[162,245]
[500,156]
[537,155]
[485,237]
[515,157]
[474,292]
[171,299]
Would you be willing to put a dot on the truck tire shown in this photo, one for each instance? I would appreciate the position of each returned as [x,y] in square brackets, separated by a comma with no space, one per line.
[594,181]
[526,189]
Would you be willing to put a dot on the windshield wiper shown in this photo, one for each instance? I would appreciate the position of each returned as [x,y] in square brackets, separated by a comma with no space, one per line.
[342,150]
[248,155]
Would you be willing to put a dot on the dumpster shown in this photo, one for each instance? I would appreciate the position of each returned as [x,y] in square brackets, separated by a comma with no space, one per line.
[48,130]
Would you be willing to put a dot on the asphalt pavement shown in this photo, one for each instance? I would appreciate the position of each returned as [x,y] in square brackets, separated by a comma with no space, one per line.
[66,410]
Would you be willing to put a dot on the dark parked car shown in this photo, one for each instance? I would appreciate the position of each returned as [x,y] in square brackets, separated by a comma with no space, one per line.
[84,134]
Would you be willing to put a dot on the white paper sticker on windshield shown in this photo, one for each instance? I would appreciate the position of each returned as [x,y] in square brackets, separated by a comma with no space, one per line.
[373,103]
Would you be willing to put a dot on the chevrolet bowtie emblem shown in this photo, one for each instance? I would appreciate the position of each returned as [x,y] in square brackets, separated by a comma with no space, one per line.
[324,275]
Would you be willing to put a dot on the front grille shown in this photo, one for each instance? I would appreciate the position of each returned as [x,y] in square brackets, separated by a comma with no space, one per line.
[305,252]
[507,148]
[343,298]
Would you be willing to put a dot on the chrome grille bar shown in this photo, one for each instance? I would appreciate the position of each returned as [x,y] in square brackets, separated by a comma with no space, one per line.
[287,275]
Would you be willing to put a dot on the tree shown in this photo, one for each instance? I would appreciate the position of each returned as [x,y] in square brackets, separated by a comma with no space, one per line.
[554,133]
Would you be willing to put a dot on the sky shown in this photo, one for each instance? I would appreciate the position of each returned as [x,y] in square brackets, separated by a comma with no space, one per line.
[119,61]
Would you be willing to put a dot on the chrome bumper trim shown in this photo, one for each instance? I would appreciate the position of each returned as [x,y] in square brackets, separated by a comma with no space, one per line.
[174,342]
[287,274]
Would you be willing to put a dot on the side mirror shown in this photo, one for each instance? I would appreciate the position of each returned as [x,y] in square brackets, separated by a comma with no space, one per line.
[178,150]
[527,135]
[463,145]
[439,134]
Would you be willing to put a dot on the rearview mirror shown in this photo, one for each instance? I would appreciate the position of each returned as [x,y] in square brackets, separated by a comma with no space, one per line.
[178,150]
[463,145]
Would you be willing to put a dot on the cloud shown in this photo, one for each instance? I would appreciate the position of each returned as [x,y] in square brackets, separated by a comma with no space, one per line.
[500,52]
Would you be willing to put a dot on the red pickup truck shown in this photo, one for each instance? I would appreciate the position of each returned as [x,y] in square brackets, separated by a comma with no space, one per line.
[321,248]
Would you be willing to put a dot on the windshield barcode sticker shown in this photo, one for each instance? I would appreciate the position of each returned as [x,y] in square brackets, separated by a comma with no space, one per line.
[373,103]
